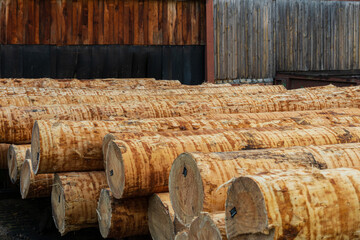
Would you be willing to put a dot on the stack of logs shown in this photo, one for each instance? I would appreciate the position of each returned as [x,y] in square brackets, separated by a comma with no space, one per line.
[136,157]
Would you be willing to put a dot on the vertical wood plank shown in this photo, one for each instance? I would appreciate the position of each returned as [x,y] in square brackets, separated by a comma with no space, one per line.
[178,23]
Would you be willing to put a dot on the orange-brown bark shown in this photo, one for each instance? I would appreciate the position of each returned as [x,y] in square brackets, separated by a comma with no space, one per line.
[74,199]
[202,188]
[122,218]
[140,167]
[15,158]
[298,204]
[34,186]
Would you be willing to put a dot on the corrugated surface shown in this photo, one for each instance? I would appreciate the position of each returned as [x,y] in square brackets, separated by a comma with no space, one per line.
[254,38]
[74,22]
[244,39]
[317,35]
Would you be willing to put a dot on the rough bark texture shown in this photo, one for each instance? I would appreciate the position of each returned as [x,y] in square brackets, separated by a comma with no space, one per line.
[4,148]
[74,199]
[34,186]
[208,226]
[161,217]
[122,218]
[202,188]
[16,157]
[299,204]
[156,154]
[112,83]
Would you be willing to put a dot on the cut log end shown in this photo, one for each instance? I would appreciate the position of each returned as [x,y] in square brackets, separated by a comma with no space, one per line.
[204,228]
[161,224]
[115,173]
[28,154]
[105,144]
[186,188]
[58,205]
[12,164]
[35,147]
[25,176]
[183,235]
[245,210]
[104,213]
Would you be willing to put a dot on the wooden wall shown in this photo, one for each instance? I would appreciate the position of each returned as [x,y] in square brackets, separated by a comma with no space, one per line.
[317,35]
[77,22]
[244,39]
[256,38]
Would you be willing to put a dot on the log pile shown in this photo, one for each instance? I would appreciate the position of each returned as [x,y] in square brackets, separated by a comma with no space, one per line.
[135,157]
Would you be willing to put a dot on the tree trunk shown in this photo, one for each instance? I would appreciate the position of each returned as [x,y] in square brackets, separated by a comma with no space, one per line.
[298,204]
[47,134]
[162,220]
[4,148]
[87,83]
[122,218]
[74,199]
[208,226]
[183,235]
[15,158]
[33,91]
[155,155]
[201,189]
[34,186]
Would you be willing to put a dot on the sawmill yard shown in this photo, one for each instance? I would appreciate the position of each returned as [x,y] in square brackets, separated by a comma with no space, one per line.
[145,158]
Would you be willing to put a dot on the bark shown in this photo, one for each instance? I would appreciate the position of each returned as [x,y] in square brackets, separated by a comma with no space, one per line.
[34,186]
[16,157]
[162,220]
[298,204]
[74,199]
[122,218]
[4,148]
[141,167]
[202,189]
[208,226]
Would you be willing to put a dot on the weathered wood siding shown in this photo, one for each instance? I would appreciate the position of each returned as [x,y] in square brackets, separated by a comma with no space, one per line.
[77,22]
[317,35]
[244,39]
[254,38]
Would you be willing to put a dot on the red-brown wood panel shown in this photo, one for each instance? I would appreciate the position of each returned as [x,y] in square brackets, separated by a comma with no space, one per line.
[72,22]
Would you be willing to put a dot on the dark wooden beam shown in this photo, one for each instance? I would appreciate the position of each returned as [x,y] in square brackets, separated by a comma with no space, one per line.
[209,54]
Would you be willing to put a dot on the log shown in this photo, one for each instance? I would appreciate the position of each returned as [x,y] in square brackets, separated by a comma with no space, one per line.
[115,83]
[4,148]
[74,199]
[122,218]
[298,204]
[34,186]
[183,235]
[48,156]
[208,226]
[15,158]
[33,91]
[155,155]
[201,189]
[47,135]
[162,220]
